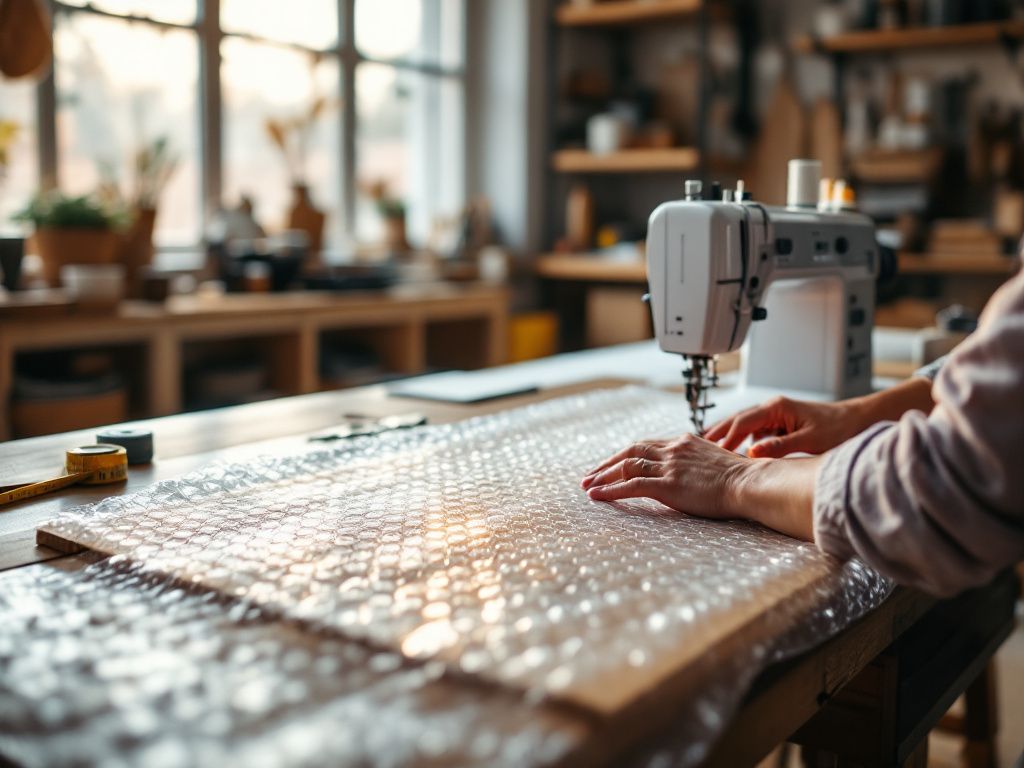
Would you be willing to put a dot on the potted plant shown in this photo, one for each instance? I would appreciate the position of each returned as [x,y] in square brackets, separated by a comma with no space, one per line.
[153,166]
[291,137]
[72,230]
[392,213]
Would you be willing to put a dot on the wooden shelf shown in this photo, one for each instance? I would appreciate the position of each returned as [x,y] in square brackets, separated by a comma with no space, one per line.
[943,264]
[671,160]
[877,40]
[617,12]
[400,324]
[591,269]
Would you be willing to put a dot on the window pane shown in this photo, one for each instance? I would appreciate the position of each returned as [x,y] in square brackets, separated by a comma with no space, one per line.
[20,180]
[410,135]
[120,86]
[264,81]
[425,31]
[170,11]
[313,23]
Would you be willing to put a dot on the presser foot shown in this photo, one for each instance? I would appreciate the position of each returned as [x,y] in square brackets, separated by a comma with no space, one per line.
[700,372]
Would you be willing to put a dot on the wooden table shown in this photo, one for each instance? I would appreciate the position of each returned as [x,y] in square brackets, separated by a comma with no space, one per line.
[872,693]
[409,328]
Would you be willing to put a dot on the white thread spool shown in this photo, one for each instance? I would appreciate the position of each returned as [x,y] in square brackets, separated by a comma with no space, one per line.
[803,183]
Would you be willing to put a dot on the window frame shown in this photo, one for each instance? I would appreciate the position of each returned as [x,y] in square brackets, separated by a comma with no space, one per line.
[207,28]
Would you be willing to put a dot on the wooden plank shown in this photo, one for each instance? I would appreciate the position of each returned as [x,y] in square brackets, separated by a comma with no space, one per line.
[591,269]
[795,691]
[943,264]
[672,160]
[872,40]
[619,12]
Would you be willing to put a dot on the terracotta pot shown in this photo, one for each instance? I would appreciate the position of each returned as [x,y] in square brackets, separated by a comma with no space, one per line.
[58,247]
[136,250]
[305,217]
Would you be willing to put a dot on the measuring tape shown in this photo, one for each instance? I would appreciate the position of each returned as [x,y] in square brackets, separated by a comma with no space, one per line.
[99,464]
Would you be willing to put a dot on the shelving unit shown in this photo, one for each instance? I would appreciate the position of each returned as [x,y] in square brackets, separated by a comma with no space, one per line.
[882,40]
[606,38]
[670,160]
[403,326]
[624,12]
[588,268]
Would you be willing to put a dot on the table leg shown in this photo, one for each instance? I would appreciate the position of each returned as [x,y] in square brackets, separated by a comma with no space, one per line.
[981,720]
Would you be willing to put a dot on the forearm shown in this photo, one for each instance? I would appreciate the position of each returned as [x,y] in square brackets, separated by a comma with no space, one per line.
[890,404]
[777,493]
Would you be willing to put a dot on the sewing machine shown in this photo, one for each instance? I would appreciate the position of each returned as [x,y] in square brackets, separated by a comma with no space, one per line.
[710,265]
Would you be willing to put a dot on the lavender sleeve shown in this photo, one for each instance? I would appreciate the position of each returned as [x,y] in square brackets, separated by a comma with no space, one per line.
[937,501]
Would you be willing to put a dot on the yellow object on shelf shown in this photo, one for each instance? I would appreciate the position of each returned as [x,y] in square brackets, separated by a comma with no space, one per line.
[532,335]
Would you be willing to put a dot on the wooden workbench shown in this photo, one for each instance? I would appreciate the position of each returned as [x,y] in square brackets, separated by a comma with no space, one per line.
[859,693]
[410,328]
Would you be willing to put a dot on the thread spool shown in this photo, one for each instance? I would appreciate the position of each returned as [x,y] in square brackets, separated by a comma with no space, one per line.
[138,443]
[803,183]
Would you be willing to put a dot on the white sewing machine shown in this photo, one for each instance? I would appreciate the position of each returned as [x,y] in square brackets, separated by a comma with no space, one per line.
[710,265]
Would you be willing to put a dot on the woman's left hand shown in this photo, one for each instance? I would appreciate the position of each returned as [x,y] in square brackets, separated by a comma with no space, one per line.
[688,474]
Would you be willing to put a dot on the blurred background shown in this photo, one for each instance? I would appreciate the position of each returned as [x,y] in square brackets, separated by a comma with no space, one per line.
[208,202]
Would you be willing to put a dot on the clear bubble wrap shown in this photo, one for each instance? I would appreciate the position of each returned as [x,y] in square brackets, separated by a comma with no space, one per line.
[471,548]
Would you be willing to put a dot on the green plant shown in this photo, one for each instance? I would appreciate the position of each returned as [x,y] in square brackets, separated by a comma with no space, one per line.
[58,211]
[391,208]
[388,207]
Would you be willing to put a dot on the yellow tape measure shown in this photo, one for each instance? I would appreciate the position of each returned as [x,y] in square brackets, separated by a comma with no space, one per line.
[99,464]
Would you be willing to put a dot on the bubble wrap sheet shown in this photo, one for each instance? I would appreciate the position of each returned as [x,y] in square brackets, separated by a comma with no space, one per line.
[112,666]
[471,544]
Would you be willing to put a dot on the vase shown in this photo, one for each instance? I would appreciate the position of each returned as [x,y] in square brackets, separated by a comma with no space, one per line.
[306,217]
[136,250]
[12,251]
[58,247]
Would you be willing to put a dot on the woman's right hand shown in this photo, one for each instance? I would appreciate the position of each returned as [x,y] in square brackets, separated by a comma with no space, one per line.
[782,426]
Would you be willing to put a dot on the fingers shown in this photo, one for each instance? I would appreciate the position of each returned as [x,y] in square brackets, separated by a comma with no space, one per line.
[626,469]
[717,431]
[777,447]
[744,425]
[635,488]
[646,450]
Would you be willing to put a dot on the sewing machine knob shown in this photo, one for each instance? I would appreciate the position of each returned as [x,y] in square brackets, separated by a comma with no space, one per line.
[759,313]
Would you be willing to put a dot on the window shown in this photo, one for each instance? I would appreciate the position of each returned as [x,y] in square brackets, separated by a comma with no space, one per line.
[262,82]
[409,109]
[20,180]
[129,71]
[120,86]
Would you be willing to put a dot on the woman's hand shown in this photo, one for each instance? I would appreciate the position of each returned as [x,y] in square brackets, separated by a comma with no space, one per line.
[688,474]
[699,478]
[782,426]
